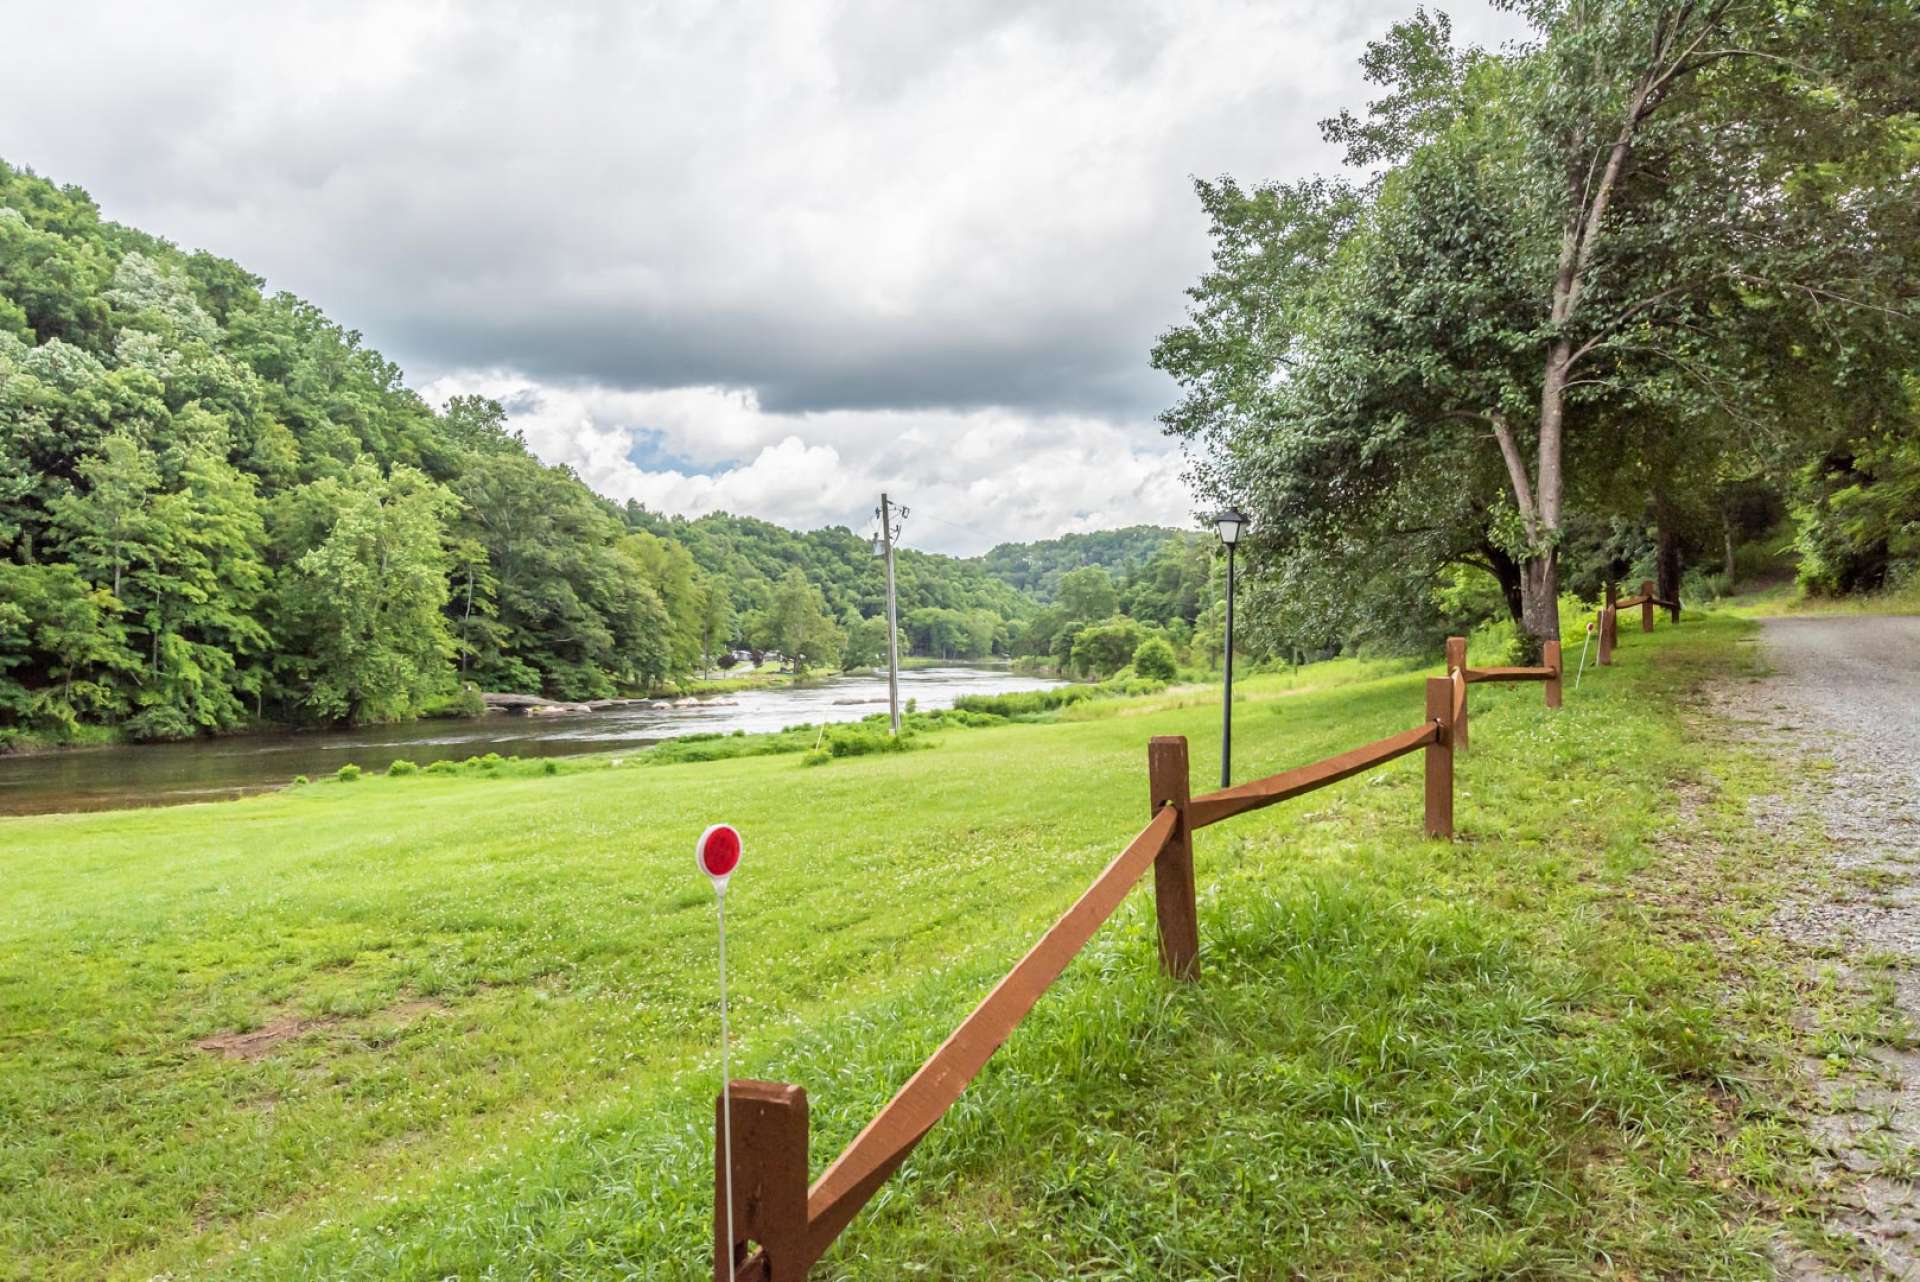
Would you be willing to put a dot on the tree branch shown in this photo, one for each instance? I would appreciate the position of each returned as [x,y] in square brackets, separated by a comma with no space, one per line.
[1517,473]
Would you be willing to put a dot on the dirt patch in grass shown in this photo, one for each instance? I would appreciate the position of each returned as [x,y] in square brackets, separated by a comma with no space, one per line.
[257,1043]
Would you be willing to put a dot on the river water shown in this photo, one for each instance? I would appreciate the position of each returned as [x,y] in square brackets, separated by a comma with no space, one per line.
[163,774]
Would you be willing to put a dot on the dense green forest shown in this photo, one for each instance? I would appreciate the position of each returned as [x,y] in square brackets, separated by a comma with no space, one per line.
[220,508]
[1637,296]
[1036,568]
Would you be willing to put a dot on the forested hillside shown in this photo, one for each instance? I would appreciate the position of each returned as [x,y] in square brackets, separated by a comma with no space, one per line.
[217,506]
[1038,567]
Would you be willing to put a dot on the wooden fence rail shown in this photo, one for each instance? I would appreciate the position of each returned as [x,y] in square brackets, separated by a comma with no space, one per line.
[781,1226]
[1548,673]
[1609,622]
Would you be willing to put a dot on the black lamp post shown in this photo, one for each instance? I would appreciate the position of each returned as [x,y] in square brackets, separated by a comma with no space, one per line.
[1231,523]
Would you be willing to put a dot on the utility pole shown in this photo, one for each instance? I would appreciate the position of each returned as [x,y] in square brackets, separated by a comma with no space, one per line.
[888,532]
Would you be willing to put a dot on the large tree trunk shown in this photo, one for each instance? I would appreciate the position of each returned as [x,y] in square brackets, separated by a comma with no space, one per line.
[1540,604]
[1541,587]
[1666,555]
[1507,571]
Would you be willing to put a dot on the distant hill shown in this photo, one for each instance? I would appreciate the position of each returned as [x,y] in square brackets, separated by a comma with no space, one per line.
[752,555]
[1035,568]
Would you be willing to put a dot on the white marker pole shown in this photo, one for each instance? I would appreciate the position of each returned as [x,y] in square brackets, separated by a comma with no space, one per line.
[726,1066]
[718,854]
[1581,671]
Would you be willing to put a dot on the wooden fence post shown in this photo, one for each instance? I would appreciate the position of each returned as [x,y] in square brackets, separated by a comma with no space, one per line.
[1440,759]
[1607,618]
[1457,658]
[1550,657]
[1173,898]
[769,1182]
[1646,605]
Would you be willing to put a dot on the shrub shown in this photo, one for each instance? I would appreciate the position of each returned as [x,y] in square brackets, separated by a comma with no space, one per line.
[402,767]
[465,702]
[443,767]
[815,757]
[1024,703]
[966,717]
[1154,660]
[299,779]
[1103,648]
[347,773]
[863,743]
[549,767]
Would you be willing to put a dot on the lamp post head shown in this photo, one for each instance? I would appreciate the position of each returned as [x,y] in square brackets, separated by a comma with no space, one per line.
[1230,524]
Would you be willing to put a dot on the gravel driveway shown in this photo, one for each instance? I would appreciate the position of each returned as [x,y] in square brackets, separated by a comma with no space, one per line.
[1845,690]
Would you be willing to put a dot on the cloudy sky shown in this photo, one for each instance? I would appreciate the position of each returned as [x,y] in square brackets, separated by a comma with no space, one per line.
[768,258]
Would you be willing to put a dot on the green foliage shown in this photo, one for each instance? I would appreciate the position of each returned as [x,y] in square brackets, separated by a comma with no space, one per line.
[1858,508]
[1154,660]
[865,741]
[753,557]
[798,625]
[347,773]
[953,634]
[1496,338]
[1039,568]
[402,767]
[465,702]
[1102,649]
[866,641]
[362,610]
[1088,593]
[217,505]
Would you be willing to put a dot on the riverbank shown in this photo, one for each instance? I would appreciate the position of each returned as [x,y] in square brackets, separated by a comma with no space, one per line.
[108,776]
[460,1025]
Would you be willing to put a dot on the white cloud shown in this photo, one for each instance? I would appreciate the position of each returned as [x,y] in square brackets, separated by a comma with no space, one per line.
[972,477]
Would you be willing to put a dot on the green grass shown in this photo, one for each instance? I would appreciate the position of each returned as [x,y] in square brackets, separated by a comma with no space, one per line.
[1788,598]
[1553,1049]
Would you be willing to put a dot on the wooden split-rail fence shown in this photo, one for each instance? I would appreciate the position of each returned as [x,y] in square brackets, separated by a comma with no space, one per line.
[1609,621]
[781,1224]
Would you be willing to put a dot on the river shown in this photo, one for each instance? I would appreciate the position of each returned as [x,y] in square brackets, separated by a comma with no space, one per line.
[163,774]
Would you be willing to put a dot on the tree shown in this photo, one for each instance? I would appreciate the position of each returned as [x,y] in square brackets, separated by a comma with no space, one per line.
[1569,252]
[364,607]
[1102,649]
[1153,659]
[805,633]
[194,593]
[1088,593]
[110,524]
[716,622]
[61,646]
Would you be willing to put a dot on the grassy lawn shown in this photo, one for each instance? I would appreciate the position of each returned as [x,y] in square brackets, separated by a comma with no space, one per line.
[1785,599]
[482,1020]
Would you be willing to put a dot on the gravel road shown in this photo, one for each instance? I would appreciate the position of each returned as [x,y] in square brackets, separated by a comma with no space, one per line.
[1858,678]
[1846,690]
